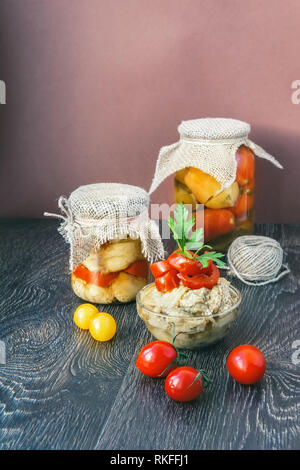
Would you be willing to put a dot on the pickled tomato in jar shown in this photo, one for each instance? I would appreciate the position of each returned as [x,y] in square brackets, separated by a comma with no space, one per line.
[213,164]
[228,213]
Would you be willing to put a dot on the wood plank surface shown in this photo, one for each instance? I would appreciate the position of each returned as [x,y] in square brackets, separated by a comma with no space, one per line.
[58,385]
[228,415]
[59,389]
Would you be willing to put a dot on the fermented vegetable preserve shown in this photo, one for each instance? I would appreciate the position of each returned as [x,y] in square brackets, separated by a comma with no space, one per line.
[228,213]
[111,240]
[116,271]
[213,164]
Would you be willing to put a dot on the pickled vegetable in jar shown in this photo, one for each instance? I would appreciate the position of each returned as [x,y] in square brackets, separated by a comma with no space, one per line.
[213,165]
[228,213]
[116,271]
[112,240]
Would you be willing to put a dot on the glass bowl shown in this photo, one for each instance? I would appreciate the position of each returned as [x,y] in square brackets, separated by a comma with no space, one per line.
[193,331]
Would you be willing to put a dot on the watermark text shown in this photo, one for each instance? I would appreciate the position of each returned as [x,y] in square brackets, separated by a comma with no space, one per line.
[295,97]
[296,353]
[2,92]
[2,353]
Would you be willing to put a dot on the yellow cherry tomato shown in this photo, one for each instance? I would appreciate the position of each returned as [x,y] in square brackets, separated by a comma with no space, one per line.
[102,326]
[83,315]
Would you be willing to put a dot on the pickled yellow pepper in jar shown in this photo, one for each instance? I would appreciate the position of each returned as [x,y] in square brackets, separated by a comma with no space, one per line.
[213,164]
[227,213]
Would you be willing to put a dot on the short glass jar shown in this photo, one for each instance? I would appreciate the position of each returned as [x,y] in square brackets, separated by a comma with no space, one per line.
[112,240]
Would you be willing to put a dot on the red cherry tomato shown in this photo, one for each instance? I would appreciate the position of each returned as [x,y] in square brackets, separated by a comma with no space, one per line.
[160,268]
[185,265]
[246,364]
[167,281]
[179,384]
[155,358]
[208,278]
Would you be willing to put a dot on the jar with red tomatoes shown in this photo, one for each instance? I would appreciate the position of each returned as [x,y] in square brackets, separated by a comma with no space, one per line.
[107,226]
[214,170]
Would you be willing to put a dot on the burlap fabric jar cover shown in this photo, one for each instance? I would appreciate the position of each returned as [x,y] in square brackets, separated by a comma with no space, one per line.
[209,144]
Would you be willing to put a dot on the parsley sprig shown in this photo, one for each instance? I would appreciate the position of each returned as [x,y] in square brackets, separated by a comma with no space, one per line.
[188,239]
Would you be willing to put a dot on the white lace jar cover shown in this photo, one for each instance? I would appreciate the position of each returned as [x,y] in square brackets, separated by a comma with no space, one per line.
[97,213]
[209,144]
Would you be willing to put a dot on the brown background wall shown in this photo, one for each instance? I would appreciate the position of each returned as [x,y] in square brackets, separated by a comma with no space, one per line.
[95,88]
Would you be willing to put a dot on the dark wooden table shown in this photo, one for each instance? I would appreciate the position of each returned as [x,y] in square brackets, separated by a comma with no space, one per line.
[60,389]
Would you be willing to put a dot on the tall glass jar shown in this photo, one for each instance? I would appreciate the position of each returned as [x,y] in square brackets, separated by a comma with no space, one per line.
[213,164]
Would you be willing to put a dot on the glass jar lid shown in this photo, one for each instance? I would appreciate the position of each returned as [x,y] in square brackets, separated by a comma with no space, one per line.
[102,200]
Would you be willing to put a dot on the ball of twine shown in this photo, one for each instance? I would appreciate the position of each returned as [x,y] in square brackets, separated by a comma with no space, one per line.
[256,260]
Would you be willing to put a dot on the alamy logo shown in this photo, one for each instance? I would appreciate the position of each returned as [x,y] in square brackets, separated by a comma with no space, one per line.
[296,353]
[2,92]
[295,97]
[2,353]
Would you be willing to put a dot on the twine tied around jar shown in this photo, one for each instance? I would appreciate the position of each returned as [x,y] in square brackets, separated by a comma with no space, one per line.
[74,223]
[256,260]
[69,222]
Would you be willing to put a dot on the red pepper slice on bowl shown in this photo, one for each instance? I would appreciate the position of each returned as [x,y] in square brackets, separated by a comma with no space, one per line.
[160,268]
[185,265]
[207,279]
[167,281]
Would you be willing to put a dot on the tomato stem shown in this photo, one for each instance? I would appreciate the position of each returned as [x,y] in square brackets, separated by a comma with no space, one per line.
[205,379]
[181,358]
